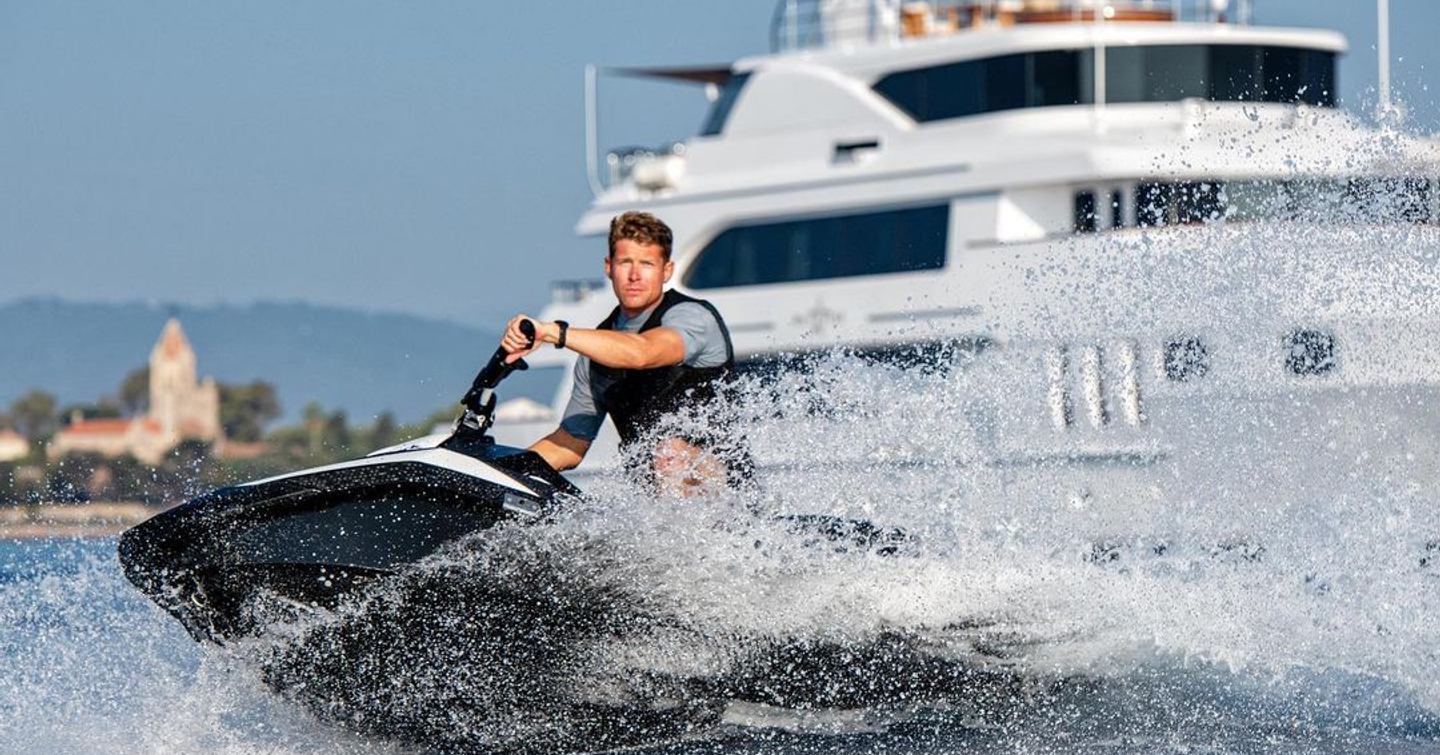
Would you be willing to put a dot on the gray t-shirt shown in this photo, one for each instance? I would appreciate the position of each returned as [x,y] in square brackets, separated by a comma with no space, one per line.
[704,347]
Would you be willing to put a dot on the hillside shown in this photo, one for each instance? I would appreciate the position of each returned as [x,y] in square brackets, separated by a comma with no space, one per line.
[362,362]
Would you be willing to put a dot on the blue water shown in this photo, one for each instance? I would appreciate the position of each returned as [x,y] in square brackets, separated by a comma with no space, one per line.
[89,666]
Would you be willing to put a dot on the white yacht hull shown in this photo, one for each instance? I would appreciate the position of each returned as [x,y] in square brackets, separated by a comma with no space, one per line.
[1061,408]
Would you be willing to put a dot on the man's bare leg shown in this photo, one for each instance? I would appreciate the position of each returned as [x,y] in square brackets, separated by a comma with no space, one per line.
[684,469]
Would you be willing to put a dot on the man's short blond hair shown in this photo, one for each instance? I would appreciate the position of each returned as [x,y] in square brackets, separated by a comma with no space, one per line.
[642,228]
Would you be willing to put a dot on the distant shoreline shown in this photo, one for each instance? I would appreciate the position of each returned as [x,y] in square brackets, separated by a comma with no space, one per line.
[84,521]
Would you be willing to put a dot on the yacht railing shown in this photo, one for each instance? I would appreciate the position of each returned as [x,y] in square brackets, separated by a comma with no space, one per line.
[810,24]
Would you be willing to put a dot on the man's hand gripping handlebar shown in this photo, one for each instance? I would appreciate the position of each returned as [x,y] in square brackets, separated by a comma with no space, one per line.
[479,401]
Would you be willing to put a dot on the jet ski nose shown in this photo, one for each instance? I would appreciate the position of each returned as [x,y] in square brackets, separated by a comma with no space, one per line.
[309,540]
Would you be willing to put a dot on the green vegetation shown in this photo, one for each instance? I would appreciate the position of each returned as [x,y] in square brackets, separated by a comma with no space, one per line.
[34,416]
[245,410]
[135,391]
[321,437]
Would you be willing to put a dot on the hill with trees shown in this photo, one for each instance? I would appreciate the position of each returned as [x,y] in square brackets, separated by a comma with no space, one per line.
[362,363]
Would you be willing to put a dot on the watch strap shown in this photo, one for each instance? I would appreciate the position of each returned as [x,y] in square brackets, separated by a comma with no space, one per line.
[564,331]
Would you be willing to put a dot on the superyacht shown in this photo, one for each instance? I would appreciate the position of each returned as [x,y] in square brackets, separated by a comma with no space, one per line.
[1153,214]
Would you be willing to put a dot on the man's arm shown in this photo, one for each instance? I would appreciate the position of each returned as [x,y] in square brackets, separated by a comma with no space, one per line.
[657,347]
[561,450]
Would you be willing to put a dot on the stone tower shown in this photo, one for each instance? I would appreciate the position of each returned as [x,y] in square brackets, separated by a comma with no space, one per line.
[184,406]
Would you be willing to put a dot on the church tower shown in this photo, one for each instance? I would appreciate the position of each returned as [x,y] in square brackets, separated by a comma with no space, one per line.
[184,406]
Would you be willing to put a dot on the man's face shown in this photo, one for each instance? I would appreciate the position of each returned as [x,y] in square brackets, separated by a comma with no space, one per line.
[638,273]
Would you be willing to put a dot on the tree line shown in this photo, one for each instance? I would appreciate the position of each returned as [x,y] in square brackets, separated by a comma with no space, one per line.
[247,412]
[245,409]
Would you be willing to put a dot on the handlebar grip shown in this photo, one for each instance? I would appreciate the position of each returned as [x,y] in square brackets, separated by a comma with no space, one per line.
[495,371]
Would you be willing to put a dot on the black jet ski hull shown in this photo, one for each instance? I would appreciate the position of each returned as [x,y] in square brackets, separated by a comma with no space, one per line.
[317,536]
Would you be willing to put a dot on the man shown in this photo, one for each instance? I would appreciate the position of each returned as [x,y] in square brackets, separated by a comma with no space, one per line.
[657,352]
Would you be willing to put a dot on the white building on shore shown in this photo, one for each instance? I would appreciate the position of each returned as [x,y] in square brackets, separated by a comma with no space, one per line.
[13,446]
[182,407]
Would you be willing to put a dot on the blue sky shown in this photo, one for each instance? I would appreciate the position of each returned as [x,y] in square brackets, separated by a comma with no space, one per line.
[422,157]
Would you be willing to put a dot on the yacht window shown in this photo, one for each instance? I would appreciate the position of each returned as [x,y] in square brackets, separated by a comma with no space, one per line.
[1324,201]
[1183,203]
[1310,352]
[1085,221]
[871,243]
[926,357]
[1157,73]
[1198,202]
[923,356]
[1221,73]
[1404,200]
[720,110]
[1117,209]
[1152,204]
[971,87]
[1186,358]
[1317,201]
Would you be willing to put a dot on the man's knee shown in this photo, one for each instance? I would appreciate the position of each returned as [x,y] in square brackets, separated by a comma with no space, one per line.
[674,456]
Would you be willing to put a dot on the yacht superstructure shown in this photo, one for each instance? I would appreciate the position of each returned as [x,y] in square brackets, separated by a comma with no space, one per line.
[1148,204]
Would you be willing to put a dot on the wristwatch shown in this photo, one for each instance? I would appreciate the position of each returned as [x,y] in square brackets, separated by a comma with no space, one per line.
[564,330]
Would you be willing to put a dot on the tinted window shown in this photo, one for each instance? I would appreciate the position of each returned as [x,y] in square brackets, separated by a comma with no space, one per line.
[925,356]
[1324,201]
[1184,202]
[1236,73]
[1161,73]
[971,87]
[1310,352]
[1155,74]
[1296,75]
[872,243]
[720,110]
[1152,204]
[1085,212]
[1405,200]
[1186,359]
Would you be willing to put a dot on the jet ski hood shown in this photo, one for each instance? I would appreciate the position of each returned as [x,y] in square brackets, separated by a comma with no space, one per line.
[314,536]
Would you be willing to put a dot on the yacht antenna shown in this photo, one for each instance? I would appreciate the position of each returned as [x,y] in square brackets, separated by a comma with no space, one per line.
[592,130]
[1382,12]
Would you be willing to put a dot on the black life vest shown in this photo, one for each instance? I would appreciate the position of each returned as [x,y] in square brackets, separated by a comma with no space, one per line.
[637,399]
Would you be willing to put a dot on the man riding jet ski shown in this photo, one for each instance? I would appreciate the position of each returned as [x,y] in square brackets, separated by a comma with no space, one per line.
[316,535]
[657,352]
[355,536]
[319,534]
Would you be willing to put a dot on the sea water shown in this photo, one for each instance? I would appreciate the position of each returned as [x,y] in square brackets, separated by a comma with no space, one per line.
[989,624]
[89,665]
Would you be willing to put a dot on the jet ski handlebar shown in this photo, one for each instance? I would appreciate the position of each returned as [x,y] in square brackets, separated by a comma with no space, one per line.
[479,401]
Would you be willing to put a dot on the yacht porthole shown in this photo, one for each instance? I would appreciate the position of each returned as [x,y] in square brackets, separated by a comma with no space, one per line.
[1186,358]
[1310,352]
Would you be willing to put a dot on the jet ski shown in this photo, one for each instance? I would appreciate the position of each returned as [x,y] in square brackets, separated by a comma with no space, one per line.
[315,536]
[318,536]
[434,651]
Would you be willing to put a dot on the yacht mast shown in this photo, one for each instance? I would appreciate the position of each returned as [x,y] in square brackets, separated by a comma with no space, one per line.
[1382,12]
